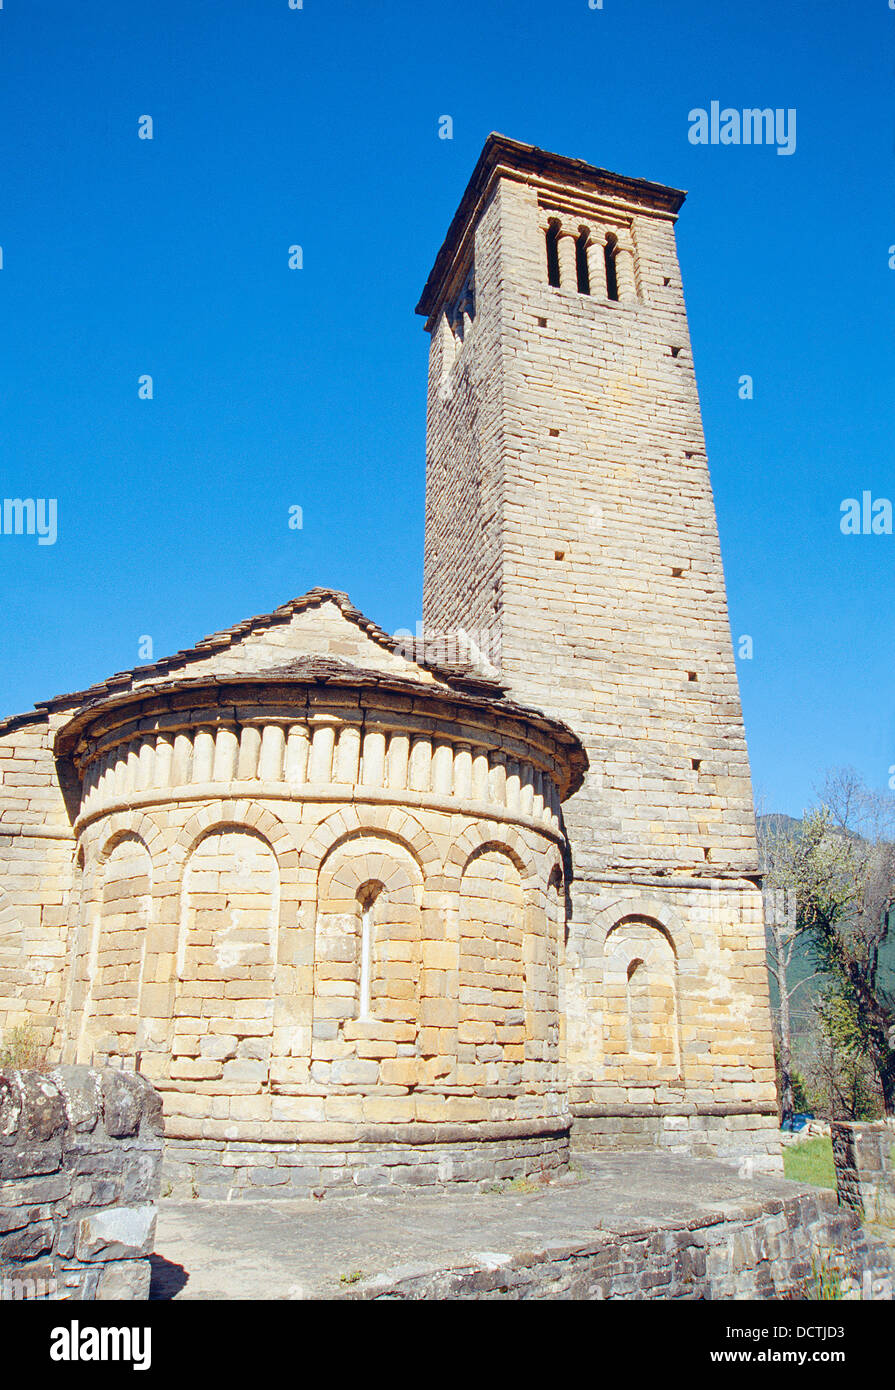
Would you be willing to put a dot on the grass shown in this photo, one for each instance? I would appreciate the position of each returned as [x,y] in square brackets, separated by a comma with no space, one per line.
[23,1050]
[811,1161]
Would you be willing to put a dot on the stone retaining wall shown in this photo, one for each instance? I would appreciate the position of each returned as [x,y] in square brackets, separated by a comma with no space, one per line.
[80,1165]
[864,1155]
[779,1249]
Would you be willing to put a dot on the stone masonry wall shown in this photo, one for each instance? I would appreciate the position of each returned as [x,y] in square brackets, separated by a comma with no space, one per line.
[864,1155]
[80,1165]
[37,848]
[778,1250]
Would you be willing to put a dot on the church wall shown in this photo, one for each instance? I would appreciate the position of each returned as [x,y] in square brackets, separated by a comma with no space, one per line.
[37,849]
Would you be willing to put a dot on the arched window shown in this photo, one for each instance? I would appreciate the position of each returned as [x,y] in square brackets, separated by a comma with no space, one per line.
[553,230]
[610,252]
[640,1033]
[581,244]
[366,901]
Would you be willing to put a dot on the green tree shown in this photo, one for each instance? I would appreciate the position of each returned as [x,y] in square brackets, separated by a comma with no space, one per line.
[841,868]
[777,841]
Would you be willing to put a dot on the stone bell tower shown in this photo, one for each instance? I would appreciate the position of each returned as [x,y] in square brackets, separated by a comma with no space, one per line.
[570,529]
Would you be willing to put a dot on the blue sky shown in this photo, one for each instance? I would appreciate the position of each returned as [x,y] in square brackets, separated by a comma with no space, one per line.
[275,388]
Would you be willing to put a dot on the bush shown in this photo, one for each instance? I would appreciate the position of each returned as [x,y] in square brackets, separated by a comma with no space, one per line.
[23,1050]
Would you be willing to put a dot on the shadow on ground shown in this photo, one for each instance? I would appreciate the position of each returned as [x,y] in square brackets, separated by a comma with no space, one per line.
[168,1278]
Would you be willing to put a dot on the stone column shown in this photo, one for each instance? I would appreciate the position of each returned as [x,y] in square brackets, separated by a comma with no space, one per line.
[270,758]
[297,745]
[568,266]
[624,271]
[596,263]
[203,755]
[373,759]
[226,753]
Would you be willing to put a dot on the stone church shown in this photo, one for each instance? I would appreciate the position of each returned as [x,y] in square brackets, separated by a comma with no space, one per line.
[369,909]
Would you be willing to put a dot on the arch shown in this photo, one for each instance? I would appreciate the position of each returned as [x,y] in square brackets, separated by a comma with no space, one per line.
[654,909]
[641,1013]
[241,814]
[116,960]
[495,986]
[113,829]
[392,821]
[367,957]
[225,967]
[506,839]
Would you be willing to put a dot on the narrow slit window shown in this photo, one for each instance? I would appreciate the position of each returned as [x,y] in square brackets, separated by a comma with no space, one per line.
[366,960]
[610,251]
[553,254]
[581,261]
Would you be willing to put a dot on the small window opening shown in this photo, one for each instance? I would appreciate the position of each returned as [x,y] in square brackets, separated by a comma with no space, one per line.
[542,323]
[696,764]
[559,554]
[365,992]
[677,574]
[554,434]
[691,675]
[667,280]
[610,251]
[581,269]
[553,254]
[676,351]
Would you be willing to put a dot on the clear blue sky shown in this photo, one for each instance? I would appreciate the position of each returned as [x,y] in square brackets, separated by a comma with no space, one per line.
[274,388]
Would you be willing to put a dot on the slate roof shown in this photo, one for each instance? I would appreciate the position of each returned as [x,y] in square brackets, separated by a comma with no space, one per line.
[466,676]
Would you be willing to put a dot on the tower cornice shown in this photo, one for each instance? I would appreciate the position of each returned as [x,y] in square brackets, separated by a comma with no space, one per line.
[502,157]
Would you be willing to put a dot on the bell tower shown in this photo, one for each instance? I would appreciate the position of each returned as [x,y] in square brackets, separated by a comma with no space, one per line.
[570,528]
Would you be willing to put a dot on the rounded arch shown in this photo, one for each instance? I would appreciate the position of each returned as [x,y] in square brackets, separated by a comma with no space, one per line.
[392,822]
[117,910]
[493,836]
[641,1023]
[378,858]
[644,909]
[632,919]
[368,936]
[220,816]
[124,825]
[228,934]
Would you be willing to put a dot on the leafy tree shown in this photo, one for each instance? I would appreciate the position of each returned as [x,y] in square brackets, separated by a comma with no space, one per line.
[778,840]
[841,869]
[841,1078]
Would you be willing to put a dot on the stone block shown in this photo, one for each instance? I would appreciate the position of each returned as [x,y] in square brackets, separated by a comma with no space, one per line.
[116,1233]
